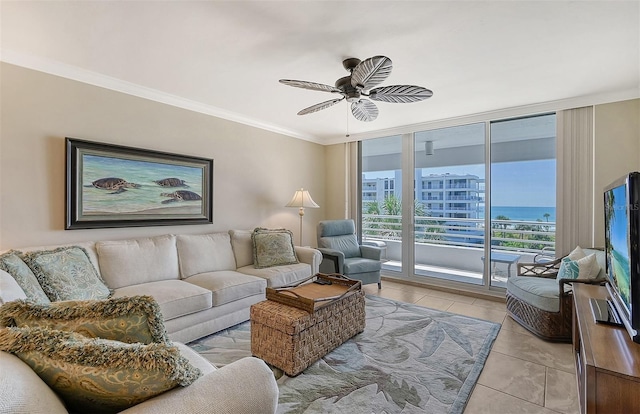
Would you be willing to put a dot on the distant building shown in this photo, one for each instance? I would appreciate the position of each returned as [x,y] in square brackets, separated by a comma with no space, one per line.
[443,195]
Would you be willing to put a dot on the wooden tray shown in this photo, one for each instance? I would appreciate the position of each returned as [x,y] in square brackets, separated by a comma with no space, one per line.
[313,296]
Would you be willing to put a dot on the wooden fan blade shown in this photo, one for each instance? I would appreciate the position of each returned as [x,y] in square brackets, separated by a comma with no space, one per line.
[320,106]
[400,94]
[310,85]
[371,72]
[364,110]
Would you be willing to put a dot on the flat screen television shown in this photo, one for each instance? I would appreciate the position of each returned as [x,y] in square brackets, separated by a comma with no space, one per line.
[622,230]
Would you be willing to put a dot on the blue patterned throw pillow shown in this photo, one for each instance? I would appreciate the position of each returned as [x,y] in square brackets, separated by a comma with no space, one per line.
[584,268]
[11,263]
[67,273]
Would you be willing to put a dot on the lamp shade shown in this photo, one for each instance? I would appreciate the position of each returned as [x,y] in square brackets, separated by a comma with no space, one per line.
[302,198]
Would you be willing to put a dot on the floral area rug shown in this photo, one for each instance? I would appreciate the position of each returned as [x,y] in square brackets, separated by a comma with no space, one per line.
[409,359]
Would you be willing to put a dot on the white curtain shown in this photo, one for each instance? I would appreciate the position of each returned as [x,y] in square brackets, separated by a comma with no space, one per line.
[575,180]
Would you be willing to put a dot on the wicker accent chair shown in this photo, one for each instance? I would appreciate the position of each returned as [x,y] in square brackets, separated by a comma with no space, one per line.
[542,304]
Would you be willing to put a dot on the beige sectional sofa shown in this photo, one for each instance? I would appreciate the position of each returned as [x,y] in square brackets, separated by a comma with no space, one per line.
[203,284]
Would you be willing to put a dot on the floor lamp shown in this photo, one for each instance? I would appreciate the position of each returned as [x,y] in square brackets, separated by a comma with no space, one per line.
[302,199]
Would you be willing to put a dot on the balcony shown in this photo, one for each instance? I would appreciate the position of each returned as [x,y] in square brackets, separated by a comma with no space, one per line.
[452,249]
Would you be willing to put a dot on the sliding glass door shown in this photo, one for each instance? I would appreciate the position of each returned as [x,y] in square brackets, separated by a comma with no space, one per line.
[523,193]
[381,183]
[461,204]
[449,197]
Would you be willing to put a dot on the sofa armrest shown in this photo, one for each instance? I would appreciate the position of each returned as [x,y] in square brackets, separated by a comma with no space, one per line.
[335,257]
[245,386]
[310,256]
[371,252]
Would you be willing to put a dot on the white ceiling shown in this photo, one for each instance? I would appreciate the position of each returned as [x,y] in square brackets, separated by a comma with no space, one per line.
[225,58]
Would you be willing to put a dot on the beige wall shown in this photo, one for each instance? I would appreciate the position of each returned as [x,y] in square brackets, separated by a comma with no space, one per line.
[617,151]
[255,172]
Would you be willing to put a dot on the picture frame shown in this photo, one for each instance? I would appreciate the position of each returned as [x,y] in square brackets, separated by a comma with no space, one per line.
[117,186]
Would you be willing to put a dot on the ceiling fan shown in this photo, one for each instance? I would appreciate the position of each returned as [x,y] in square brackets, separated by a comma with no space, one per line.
[364,75]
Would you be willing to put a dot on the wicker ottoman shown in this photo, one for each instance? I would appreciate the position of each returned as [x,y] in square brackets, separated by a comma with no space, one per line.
[292,339]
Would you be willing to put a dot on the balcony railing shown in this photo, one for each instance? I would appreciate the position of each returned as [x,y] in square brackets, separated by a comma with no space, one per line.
[516,235]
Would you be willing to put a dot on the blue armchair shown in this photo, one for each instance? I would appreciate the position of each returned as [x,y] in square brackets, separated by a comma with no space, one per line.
[341,252]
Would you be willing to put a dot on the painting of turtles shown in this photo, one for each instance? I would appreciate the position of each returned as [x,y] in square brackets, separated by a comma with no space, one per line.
[171,182]
[181,195]
[112,185]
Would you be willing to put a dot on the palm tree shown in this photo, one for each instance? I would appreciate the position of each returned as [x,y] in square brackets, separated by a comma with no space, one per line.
[546,216]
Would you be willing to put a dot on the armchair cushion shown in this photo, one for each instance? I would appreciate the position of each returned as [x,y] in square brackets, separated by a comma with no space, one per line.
[537,291]
[355,265]
[339,235]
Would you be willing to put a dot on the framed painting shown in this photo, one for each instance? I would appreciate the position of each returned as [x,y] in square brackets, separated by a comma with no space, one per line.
[116,186]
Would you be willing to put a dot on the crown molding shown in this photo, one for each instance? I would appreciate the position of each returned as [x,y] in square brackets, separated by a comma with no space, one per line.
[75,73]
[96,79]
[551,106]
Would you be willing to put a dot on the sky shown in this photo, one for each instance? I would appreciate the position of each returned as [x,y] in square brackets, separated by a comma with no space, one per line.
[513,184]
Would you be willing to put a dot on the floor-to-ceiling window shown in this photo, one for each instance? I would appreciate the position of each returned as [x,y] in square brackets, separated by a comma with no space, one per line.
[381,184]
[475,200]
[523,192]
[449,195]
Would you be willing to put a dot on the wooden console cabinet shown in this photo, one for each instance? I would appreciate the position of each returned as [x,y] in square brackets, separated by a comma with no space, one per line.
[607,361]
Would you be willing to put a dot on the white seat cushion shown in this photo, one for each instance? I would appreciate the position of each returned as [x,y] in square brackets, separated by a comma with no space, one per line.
[229,286]
[175,297]
[279,276]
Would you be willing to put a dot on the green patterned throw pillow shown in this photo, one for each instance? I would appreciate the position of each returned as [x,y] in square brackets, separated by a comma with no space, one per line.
[272,247]
[11,263]
[67,273]
[584,268]
[129,319]
[98,375]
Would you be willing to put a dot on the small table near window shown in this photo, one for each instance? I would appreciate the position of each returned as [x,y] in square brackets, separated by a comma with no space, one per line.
[507,258]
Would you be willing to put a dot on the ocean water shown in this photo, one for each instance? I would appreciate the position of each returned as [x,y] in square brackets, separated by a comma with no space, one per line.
[523,213]
[147,197]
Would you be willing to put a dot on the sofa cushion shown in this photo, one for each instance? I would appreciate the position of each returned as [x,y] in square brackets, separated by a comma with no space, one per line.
[242,247]
[175,297]
[272,247]
[11,263]
[130,319]
[537,291]
[280,275]
[131,262]
[22,391]
[66,273]
[200,253]
[229,286]
[9,289]
[98,375]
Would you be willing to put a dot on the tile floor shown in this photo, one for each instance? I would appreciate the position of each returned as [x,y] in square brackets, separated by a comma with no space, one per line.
[523,374]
